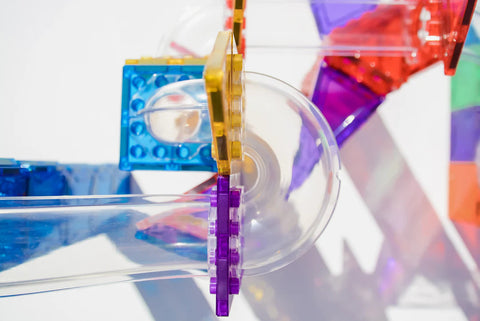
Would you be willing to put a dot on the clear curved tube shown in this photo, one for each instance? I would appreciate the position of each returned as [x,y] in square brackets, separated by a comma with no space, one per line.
[35,228]
[289,174]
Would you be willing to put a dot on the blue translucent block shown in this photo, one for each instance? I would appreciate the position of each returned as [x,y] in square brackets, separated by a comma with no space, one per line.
[330,15]
[44,179]
[32,178]
[104,179]
[155,134]
[13,178]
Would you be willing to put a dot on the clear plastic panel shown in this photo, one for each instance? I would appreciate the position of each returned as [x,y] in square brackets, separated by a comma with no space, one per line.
[291,186]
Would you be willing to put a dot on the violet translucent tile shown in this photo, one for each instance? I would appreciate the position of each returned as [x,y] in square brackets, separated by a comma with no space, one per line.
[329,15]
[226,256]
[344,102]
[465,134]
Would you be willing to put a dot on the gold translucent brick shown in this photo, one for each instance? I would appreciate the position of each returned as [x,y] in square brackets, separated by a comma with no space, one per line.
[223,84]
[236,150]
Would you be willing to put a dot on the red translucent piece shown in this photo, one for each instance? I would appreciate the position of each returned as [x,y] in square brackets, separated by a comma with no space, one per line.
[434,31]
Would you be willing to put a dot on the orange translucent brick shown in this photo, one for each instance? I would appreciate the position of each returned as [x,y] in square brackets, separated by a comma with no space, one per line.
[464,193]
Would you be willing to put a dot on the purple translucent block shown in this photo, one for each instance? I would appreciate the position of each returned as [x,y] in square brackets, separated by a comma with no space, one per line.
[223,251]
[223,287]
[329,15]
[213,285]
[211,259]
[213,199]
[344,102]
[234,257]
[223,184]
[222,308]
[222,246]
[235,198]
[465,134]
[212,229]
[234,228]
[234,286]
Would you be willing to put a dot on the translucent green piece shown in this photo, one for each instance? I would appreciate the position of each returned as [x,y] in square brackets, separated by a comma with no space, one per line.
[466,83]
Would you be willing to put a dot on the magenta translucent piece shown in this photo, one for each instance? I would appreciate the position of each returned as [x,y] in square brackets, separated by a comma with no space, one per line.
[465,134]
[227,256]
[344,102]
[329,15]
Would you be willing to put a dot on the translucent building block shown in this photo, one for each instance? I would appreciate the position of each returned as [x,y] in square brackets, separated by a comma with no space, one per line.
[104,179]
[167,131]
[465,83]
[236,22]
[330,15]
[381,73]
[45,179]
[224,87]
[465,134]
[464,192]
[223,83]
[435,30]
[13,178]
[345,103]
[33,178]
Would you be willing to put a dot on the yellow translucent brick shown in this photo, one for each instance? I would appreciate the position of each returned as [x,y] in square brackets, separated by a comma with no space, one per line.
[218,129]
[131,61]
[236,120]
[223,84]
[236,150]
[238,13]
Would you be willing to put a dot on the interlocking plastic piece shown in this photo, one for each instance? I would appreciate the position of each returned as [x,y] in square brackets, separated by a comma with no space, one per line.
[465,134]
[464,194]
[466,83]
[104,179]
[225,243]
[345,103]
[330,15]
[155,136]
[382,74]
[34,178]
[435,31]
[13,178]
[224,87]
[236,22]
[45,179]
[464,182]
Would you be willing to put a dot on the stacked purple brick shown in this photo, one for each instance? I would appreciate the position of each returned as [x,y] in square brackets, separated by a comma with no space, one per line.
[224,243]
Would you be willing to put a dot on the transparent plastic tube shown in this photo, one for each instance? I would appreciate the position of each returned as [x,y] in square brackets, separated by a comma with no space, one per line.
[290,179]
[34,227]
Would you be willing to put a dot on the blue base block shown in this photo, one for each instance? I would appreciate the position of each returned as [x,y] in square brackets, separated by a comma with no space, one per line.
[140,149]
